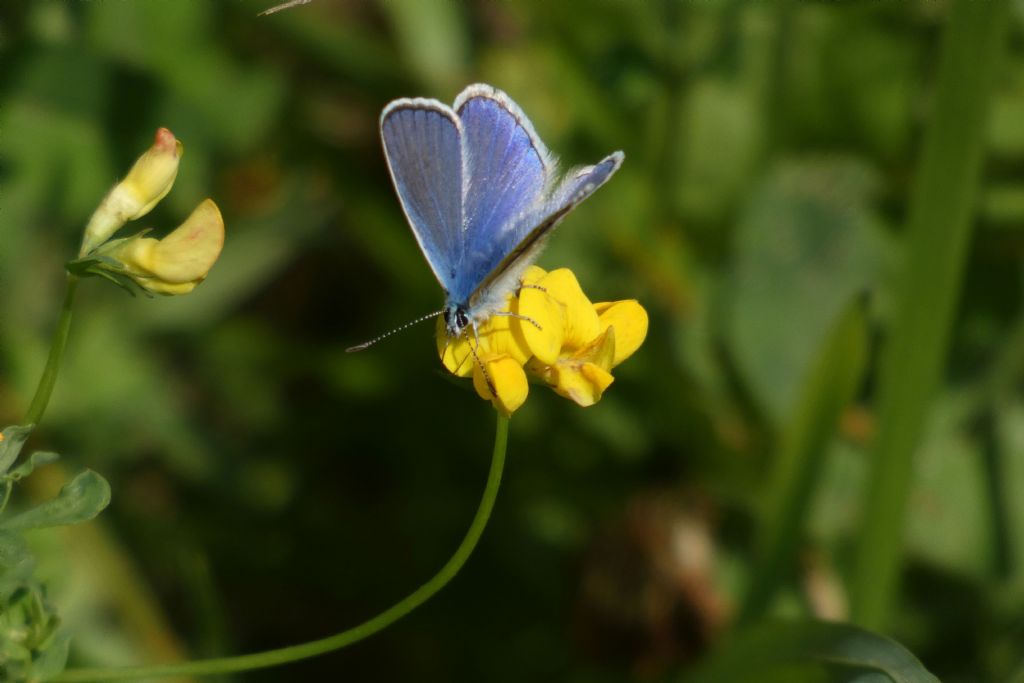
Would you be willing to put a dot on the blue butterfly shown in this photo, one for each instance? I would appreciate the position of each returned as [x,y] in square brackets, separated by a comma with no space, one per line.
[481,193]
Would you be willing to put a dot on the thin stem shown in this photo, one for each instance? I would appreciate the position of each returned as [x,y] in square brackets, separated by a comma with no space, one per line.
[294,653]
[60,340]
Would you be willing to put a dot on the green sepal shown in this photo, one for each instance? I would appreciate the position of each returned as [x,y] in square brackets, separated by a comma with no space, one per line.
[100,264]
[106,268]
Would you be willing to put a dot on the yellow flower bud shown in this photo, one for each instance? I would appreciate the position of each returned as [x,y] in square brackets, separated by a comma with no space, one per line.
[180,261]
[149,181]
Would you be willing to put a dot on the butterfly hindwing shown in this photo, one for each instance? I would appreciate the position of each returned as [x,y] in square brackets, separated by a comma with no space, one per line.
[423,148]
[534,227]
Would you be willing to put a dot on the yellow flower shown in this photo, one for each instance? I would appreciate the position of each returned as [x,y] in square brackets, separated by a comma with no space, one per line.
[553,333]
[180,261]
[149,181]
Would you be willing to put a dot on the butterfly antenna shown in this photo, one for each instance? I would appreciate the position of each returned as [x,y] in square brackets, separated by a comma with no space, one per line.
[368,344]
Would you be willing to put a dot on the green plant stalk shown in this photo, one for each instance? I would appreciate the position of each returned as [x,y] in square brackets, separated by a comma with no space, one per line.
[829,388]
[60,339]
[294,653]
[939,228]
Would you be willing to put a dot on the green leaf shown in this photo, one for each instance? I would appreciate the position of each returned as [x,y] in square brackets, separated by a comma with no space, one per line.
[807,242]
[81,499]
[839,649]
[16,563]
[37,459]
[13,552]
[14,438]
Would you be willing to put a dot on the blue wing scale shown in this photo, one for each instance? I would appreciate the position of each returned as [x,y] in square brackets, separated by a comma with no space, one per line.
[423,147]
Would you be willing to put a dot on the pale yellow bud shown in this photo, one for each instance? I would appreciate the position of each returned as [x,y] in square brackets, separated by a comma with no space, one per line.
[180,261]
[149,181]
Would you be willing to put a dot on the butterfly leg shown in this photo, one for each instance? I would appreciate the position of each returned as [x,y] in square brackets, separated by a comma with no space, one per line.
[458,368]
[447,344]
[476,334]
[519,316]
[476,357]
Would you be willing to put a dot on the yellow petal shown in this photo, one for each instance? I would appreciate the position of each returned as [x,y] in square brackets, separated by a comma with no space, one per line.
[455,353]
[601,351]
[533,275]
[509,382]
[579,320]
[166,288]
[544,341]
[580,381]
[583,376]
[180,261]
[501,334]
[630,321]
[188,253]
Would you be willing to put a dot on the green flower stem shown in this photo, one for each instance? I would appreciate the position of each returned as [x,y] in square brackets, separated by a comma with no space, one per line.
[294,653]
[939,228]
[60,340]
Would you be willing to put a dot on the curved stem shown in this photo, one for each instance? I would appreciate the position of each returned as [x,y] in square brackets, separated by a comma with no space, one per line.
[294,653]
[60,340]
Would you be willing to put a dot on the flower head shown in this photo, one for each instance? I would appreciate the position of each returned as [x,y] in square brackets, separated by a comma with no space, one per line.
[172,265]
[149,181]
[551,331]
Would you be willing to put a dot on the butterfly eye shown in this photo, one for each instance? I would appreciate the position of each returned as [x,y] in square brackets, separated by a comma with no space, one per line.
[460,319]
[447,317]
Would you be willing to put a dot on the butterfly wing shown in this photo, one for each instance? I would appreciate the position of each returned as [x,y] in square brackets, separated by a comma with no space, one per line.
[531,230]
[423,148]
[477,187]
[508,172]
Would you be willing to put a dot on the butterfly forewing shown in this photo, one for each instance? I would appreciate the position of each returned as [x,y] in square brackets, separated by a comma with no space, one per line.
[424,153]
[507,173]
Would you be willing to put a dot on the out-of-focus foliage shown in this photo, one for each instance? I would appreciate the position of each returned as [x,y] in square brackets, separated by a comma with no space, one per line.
[32,644]
[269,488]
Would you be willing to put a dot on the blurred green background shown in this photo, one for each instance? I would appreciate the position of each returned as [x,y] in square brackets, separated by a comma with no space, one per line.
[269,488]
